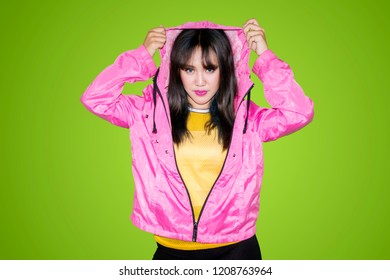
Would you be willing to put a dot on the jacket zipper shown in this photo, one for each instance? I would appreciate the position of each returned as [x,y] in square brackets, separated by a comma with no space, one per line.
[196,223]
[195,233]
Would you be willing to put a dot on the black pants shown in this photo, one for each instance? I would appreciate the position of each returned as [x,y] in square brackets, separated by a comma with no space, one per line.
[248,249]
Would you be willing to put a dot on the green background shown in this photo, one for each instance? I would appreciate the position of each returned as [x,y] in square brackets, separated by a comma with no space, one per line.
[66,183]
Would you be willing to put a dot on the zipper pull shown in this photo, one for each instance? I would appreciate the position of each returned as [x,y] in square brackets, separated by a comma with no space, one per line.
[195,233]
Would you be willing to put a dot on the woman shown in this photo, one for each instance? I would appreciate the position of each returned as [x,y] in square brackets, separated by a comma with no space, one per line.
[196,141]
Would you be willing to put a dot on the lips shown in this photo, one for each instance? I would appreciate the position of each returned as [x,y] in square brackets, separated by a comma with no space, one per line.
[200,92]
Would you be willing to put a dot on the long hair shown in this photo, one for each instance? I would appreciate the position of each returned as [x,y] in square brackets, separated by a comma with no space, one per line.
[222,104]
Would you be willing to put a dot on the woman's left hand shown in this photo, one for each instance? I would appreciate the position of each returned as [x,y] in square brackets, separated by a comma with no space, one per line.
[255,36]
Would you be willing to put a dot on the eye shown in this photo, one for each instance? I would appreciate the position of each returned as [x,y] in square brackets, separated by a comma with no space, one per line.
[188,70]
[210,68]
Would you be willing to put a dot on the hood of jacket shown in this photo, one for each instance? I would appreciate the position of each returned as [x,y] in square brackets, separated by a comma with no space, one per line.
[240,49]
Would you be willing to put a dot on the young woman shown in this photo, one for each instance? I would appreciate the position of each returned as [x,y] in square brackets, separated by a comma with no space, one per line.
[196,135]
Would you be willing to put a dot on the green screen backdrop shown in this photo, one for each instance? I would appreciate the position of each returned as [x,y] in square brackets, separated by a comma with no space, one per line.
[66,182]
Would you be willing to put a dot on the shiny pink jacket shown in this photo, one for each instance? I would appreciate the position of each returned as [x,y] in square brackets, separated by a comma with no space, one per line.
[161,201]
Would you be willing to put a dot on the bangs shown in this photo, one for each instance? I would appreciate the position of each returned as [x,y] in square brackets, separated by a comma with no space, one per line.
[206,58]
[201,41]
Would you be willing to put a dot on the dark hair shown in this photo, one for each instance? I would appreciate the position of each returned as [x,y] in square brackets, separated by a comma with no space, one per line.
[222,104]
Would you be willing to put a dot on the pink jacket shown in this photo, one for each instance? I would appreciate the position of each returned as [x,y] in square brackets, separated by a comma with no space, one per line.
[161,201]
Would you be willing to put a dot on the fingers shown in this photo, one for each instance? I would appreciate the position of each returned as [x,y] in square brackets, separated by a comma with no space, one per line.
[252,22]
[251,25]
[155,39]
[253,32]
[255,36]
[156,35]
[159,29]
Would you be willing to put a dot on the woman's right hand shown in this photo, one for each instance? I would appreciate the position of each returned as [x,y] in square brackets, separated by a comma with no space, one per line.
[155,39]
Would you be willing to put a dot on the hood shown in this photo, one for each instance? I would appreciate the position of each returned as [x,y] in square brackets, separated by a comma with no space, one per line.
[239,46]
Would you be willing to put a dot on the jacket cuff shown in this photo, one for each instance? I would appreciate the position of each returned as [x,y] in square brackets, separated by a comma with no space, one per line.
[262,61]
[150,67]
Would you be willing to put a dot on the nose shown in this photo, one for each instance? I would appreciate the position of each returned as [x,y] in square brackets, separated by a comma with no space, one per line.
[200,80]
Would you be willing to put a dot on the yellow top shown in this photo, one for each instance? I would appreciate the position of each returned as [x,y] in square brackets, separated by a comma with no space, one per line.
[200,161]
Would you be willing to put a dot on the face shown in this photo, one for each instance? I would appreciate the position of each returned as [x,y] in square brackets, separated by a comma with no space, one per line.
[201,83]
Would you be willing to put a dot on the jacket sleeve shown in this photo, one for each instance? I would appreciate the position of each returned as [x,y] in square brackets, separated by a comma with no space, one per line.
[104,97]
[291,108]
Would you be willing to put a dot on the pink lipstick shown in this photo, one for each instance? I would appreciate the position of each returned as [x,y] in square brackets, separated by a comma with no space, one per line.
[200,92]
